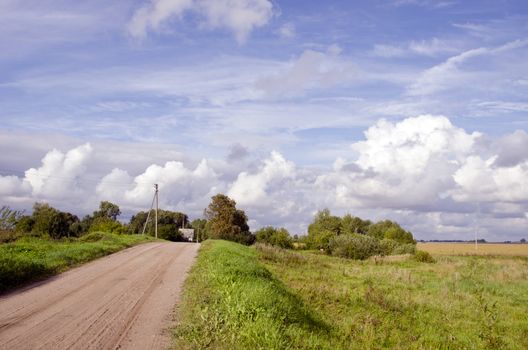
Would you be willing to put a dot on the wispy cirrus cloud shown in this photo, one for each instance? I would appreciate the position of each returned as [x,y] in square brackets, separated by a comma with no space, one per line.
[241,17]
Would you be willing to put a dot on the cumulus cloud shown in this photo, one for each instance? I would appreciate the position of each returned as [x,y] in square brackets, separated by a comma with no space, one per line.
[252,189]
[403,165]
[57,176]
[435,178]
[239,16]
[311,70]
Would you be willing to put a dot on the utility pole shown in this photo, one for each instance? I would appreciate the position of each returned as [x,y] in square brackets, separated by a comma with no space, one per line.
[157,199]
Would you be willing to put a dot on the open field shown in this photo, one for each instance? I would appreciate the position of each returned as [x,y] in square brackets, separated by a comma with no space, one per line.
[30,258]
[469,249]
[239,297]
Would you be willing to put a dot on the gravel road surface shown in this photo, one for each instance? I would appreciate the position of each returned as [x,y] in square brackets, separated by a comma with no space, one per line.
[122,301]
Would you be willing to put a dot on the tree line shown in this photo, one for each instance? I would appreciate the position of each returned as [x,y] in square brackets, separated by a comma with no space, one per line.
[347,236]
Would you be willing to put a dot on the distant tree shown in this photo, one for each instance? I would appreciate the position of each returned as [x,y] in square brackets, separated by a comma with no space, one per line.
[106,224]
[278,237]
[52,222]
[225,221]
[169,223]
[322,229]
[25,224]
[107,210]
[9,218]
[353,224]
[200,229]
[523,240]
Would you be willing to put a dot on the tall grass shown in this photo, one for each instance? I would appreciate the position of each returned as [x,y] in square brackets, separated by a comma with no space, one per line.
[232,302]
[30,258]
[265,297]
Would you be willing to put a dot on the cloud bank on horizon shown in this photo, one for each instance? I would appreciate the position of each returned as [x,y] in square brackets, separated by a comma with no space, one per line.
[359,107]
[424,171]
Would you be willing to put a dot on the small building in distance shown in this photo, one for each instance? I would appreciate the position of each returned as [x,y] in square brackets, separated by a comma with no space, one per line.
[188,234]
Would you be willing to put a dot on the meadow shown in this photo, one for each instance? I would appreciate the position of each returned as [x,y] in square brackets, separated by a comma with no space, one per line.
[492,249]
[239,297]
[33,258]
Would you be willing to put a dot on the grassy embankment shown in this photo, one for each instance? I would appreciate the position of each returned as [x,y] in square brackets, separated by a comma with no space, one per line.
[238,297]
[30,258]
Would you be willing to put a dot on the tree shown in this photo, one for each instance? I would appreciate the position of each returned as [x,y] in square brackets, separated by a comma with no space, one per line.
[200,229]
[322,229]
[107,210]
[225,221]
[9,218]
[353,224]
[277,237]
[169,223]
[523,240]
[50,221]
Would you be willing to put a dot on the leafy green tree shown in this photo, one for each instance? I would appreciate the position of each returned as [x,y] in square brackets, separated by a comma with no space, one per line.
[322,229]
[9,218]
[106,224]
[399,235]
[225,221]
[52,222]
[353,224]
[25,224]
[107,210]
[200,229]
[169,223]
[277,237]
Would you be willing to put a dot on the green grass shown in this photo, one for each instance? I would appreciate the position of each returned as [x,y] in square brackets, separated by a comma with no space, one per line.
[239,297]
[232,302]
[29,259]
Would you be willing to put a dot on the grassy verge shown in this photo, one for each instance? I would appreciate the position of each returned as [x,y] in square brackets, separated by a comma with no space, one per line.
[30,259]
[267,298]
[232,302]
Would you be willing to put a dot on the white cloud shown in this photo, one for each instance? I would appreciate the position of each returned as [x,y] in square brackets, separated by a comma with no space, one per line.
[479,180]
[449,73]
[252,189]
[432,47]
[311,70]
[57,176]
[287,31]
[403,165]
[239,16]
[422,171]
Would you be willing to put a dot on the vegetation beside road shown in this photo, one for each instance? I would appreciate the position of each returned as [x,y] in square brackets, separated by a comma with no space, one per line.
[267,297]
[231,301]
[32,258]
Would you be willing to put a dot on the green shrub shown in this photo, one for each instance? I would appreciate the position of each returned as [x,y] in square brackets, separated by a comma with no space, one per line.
[388,246]
[408,248]
[278,237]
[354,246]
[422,256]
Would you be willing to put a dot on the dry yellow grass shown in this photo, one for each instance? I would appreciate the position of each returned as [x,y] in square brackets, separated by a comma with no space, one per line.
[469,249]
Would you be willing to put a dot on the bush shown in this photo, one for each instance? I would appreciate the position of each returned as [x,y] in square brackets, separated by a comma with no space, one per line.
[422,256]
[277,237]
[388,246]
[408,248]
[355,246]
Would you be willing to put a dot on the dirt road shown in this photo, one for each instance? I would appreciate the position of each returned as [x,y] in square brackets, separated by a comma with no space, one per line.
[122,301]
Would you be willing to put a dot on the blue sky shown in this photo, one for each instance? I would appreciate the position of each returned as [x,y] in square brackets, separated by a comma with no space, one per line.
[273,103]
